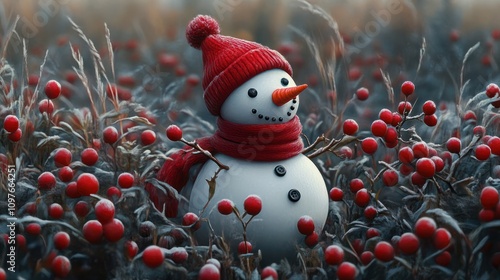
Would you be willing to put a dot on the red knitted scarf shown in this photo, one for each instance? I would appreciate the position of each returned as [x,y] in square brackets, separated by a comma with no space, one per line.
[263,142]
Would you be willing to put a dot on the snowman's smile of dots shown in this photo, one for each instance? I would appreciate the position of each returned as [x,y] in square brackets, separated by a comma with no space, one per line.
[252,93]
[273,119]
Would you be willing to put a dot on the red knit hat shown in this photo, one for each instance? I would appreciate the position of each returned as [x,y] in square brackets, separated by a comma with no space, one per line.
[228,62]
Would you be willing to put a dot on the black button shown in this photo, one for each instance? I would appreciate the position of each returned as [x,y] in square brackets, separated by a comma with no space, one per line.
[294,195]
[280,170]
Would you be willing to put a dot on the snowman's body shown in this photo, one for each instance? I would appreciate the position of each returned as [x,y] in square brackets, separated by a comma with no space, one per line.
[288,188]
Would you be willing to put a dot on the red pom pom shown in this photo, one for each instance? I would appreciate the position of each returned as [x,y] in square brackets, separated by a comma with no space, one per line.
[200,28]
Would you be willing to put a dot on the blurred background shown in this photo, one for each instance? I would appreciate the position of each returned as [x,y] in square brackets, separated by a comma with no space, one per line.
[336,46]
[262,20]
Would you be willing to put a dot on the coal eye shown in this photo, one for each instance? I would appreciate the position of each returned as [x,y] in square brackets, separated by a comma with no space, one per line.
[284,81]
[252,92]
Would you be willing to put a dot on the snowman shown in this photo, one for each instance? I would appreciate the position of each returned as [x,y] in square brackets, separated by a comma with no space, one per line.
[250,88]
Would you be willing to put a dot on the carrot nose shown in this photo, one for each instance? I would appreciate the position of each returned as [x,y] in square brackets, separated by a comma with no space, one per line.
[283,95]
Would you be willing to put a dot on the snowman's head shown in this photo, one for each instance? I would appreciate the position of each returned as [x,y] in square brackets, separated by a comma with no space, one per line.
[267,98]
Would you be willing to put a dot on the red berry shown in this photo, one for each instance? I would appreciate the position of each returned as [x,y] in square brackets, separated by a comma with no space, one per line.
[443,259]
[148,137]
[46,106]
[404,107]
[438,162]
[442,238]
[46,181]
[407,88]
[131,249]
[358,245]
[56,211]
[385,115]
[425,227]
[405,169]
[408,243]
[126,180]
[87,184]
[16,135]
[190,219]
[426,167]
[347,271]
[334,255]
[420,150]
[193,80]
[89,156]
[61,240]
[225,206]
[312,239]
[65,174]
[369,145]
[72,190]
[479,130]
[492,90]
[454,35]
[61,266]
[179,255]
[390,177]
[33,229]
[252,204]
[81,209]
[110,135]
[356,184]
[454,145]
[384,251]
[396,119]
[350,127]
[153,256]
[209,272]
[21,241]
[430,120]
[391,135]
[494,144]
[405,155]
[244,247]
[417,179]
[104,211]
[379,128]
[470,115]
[174,133]
[362,198]
[489,197]
[92,231]
[362,93]
[114,193]
[486,215]
[370,212]
[372,232]
[429,107]
[336,194]
[345,152]
[483,152]
[113,230]
[305,225]
[11,123]
[269,273]
[52,89]
[495,260]
[366,257]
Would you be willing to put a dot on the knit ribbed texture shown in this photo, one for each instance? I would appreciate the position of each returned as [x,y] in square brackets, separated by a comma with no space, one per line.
[228,62]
